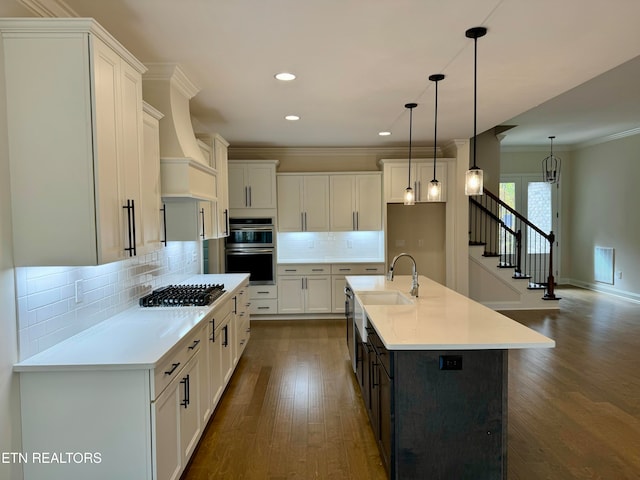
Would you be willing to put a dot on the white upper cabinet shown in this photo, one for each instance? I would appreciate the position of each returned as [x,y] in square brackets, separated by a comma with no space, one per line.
[215,150]
[152,234]
[75,140]
[396,179]
[252,184]
[303,203]
[356,202]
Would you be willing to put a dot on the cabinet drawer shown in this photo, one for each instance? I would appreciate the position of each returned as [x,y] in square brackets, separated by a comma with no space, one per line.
[310,269]
[220,313]
[170,367]
[357,268]
[264,306]
[256,292]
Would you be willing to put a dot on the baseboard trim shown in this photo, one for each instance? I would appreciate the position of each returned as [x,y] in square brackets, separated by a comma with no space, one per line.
[597,287]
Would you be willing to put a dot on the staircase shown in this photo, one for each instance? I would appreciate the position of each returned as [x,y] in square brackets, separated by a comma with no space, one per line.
[510,259]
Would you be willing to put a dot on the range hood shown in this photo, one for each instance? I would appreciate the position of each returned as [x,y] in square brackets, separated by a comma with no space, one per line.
[184,170]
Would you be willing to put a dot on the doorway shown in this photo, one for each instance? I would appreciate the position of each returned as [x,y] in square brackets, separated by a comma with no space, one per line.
[539,202]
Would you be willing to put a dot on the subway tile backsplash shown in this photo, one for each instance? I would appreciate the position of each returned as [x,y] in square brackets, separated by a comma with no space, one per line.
[55,303]
[365,246]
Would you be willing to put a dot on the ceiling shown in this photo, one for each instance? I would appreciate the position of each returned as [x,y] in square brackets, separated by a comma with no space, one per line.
[541,66]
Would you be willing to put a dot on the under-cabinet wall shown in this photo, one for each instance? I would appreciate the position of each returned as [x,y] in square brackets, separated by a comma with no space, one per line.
[48,309]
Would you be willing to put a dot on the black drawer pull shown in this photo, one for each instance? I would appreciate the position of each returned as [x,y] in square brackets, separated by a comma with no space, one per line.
[173,368]
[194,345]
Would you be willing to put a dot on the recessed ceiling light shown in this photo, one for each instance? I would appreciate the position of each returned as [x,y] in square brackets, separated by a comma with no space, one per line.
[292,117]
[384,134]
[285,76]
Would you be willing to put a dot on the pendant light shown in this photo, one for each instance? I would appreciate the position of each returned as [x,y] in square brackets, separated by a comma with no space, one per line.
[435,188]
[551,166]
[409,195]
[474,176]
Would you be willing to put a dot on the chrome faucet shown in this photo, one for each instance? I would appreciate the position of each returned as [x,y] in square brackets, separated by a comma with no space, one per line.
[414,273]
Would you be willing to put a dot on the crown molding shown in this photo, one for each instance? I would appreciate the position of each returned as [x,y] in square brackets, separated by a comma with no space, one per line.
[381,152]
[175,74]
[608,138]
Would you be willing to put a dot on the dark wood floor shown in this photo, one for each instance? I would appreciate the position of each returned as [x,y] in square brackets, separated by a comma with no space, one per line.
[293,411]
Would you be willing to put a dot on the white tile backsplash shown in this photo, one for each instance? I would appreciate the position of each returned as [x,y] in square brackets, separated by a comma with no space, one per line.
[46,296]
[330,246]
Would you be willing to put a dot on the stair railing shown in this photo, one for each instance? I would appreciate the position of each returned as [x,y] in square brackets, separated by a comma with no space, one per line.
[504,232]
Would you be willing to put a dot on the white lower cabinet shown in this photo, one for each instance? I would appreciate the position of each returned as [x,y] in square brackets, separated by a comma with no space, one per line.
[264,299]
[135,423]
[304,288]
[340,270]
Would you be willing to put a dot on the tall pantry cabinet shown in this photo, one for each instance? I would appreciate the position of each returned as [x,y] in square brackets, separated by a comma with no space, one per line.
[75,138]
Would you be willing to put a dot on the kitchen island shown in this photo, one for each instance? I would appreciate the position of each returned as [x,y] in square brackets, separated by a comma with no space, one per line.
[130,397]
[433,372]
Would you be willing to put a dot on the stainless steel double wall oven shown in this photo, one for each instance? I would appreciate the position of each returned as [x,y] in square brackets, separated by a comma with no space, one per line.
[250,248]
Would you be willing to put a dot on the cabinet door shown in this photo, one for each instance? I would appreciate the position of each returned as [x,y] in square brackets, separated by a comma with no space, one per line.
[215,367]
[227,350]
[262,186]
[315,201]
[318,294]
[290,203]
[237,186]
[204,381]
[342,204]
[130,159]
[424,175]
[338,283]
[220,149]
[190,426]
[108,145]
[368,200]
[205,219]
[167,456]
[396,177]
[151,231]
[385,415]
[290,294]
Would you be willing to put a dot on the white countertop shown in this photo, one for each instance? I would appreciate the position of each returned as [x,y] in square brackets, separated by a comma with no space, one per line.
[136,338]
[440,319]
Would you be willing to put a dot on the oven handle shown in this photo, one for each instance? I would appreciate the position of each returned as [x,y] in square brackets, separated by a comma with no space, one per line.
[242,228]
[249,251]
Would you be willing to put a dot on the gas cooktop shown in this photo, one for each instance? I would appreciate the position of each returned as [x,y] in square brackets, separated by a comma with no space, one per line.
[183,296]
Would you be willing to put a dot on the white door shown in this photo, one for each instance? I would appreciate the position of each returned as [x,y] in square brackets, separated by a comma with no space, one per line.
[538,201]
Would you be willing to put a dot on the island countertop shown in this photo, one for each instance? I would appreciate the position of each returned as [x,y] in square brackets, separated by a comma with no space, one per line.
[439,319]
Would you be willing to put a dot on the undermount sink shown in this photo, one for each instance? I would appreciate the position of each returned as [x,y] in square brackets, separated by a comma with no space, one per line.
[384,298]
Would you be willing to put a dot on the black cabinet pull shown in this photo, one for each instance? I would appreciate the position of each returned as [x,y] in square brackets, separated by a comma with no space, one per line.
[235,305]
[185,382]
[194,344]
[226,222]
[225,342]
[164,223]
[213,330]
[202,213]
[131,227]
[173,368]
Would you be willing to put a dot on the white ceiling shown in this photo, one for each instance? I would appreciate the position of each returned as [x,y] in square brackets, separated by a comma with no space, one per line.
[359,61]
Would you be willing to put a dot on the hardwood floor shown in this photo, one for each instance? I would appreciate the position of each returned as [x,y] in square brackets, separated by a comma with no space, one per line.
[293,409]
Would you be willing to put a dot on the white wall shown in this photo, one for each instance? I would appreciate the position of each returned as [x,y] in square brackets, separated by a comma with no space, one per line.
[603,199]
[598,197]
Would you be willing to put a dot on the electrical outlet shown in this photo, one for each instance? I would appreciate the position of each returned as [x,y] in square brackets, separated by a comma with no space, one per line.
[619,274]
[450,362]
[79,291]
[349,243]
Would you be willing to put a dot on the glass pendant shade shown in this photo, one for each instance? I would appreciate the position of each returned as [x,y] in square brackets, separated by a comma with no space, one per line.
[473,182]
[409,197]
[434,191]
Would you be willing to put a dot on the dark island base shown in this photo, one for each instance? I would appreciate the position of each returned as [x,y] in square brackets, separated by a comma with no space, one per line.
[433,420]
